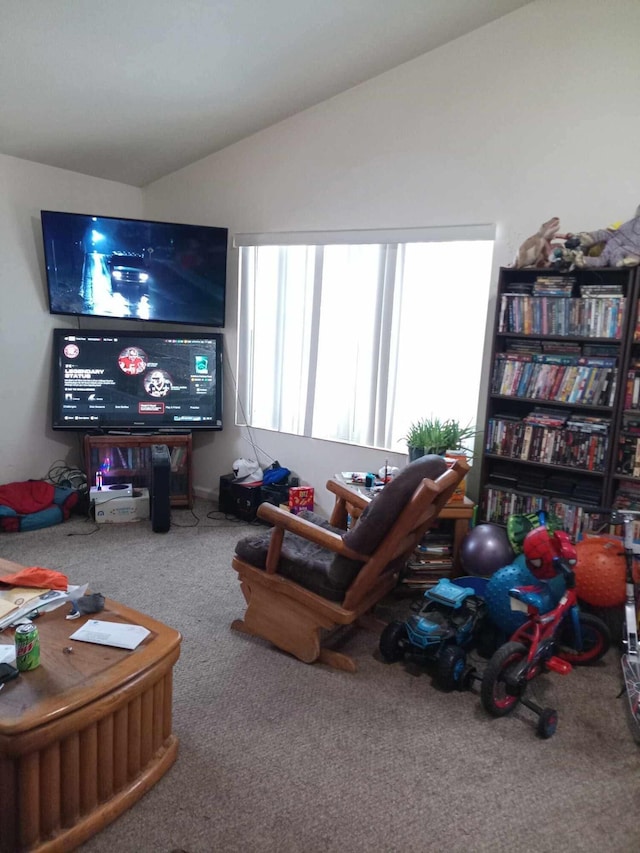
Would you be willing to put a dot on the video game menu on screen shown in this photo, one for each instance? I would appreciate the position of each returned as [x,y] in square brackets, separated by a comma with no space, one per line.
[143,381]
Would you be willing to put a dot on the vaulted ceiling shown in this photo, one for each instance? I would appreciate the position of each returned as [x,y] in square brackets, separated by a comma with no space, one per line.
[131,90]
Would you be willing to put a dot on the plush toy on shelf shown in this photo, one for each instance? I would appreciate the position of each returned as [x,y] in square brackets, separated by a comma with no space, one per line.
[620,246]
[536,250]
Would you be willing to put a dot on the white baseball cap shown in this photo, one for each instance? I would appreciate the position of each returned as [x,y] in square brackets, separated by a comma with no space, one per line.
[247,470]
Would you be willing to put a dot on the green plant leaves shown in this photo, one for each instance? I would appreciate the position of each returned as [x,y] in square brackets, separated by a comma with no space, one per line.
[434,432]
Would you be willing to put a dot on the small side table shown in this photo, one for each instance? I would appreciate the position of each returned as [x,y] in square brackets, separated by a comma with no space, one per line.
[459,511]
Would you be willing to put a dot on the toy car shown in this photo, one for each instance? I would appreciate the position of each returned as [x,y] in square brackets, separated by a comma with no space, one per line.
[447,624]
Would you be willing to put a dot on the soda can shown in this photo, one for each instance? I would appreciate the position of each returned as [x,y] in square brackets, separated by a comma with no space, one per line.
[27,647]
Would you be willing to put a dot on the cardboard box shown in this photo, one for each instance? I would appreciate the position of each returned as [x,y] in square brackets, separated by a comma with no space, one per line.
[119,510]
[460,493]
[461,489]
[300,498]
[110,491]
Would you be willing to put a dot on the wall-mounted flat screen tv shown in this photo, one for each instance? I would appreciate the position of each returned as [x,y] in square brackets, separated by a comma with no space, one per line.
[101,266]
[106,380]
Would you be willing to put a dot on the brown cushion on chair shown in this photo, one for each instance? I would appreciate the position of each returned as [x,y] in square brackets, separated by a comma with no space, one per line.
[378,518]
[302,561]
[320,570]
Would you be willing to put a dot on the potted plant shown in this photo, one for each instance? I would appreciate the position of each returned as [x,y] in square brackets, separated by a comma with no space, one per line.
[434,435]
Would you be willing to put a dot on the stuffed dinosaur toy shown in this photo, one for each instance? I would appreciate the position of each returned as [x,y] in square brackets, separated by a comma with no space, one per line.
[536,250]
[621,246]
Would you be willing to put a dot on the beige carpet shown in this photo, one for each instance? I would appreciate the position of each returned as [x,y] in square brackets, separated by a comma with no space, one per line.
[279,756]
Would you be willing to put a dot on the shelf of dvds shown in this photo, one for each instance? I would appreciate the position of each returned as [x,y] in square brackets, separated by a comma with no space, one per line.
[127,459]
[561,387]
[627,463]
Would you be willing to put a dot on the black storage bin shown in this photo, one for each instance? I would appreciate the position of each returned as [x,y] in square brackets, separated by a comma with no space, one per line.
[237,499]
[276,494]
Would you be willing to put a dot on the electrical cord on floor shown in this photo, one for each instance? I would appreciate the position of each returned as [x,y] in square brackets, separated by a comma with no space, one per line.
[70,477]
[194,524]
[67,476]
[218,515]
[89,533]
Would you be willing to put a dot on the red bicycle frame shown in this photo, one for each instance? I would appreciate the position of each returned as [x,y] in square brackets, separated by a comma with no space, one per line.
[538,633]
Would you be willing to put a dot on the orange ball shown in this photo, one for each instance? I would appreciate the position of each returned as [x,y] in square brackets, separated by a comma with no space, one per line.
[601,571]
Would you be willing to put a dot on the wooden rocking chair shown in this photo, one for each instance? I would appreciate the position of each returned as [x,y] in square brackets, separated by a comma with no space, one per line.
[307,577]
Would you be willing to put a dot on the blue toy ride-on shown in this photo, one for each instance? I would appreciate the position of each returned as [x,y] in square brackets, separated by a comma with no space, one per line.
[446,626]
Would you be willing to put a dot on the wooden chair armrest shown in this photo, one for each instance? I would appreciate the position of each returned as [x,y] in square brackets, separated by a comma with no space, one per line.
[350,503]
[283,520]
[348,494]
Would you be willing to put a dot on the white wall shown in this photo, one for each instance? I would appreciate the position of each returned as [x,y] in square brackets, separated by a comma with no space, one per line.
[28,446]
[535,115]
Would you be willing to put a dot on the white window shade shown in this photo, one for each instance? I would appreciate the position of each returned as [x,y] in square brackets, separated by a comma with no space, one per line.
[434,234]
[351,339]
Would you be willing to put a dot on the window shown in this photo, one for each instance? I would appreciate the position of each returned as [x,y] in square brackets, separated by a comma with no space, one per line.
[351,336]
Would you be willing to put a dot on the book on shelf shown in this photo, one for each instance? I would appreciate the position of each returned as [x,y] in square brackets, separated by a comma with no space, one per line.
[429,549]
[122,459]
[568,380]
[562,347]
[504,477]
[432,562]
[636,332]
[426,575]
[628,496]
[546,417]
[549,285]
[586,493]
[588,423]
[558,484]
[524,346]
[177,457]
[601,350]
[631,423]
[519,287]
[531,481]
[601,289]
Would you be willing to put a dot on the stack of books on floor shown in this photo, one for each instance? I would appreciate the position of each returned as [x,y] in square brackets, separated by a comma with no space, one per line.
[431,560]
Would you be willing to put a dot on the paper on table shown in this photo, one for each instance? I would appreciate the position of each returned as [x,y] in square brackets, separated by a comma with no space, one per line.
[8,653]
[354,477]
[111,634]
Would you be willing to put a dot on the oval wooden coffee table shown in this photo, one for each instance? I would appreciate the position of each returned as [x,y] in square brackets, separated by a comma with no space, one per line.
[85,735]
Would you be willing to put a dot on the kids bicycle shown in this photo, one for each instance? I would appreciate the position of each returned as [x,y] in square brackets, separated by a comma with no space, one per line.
[554,638]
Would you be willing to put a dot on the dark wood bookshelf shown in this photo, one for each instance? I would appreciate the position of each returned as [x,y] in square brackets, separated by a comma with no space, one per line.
[573,461]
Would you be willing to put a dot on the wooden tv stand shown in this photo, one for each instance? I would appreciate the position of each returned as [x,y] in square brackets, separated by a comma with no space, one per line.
[127,459]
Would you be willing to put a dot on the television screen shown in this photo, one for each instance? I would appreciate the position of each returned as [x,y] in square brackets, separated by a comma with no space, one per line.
[129,381]
[100,266]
